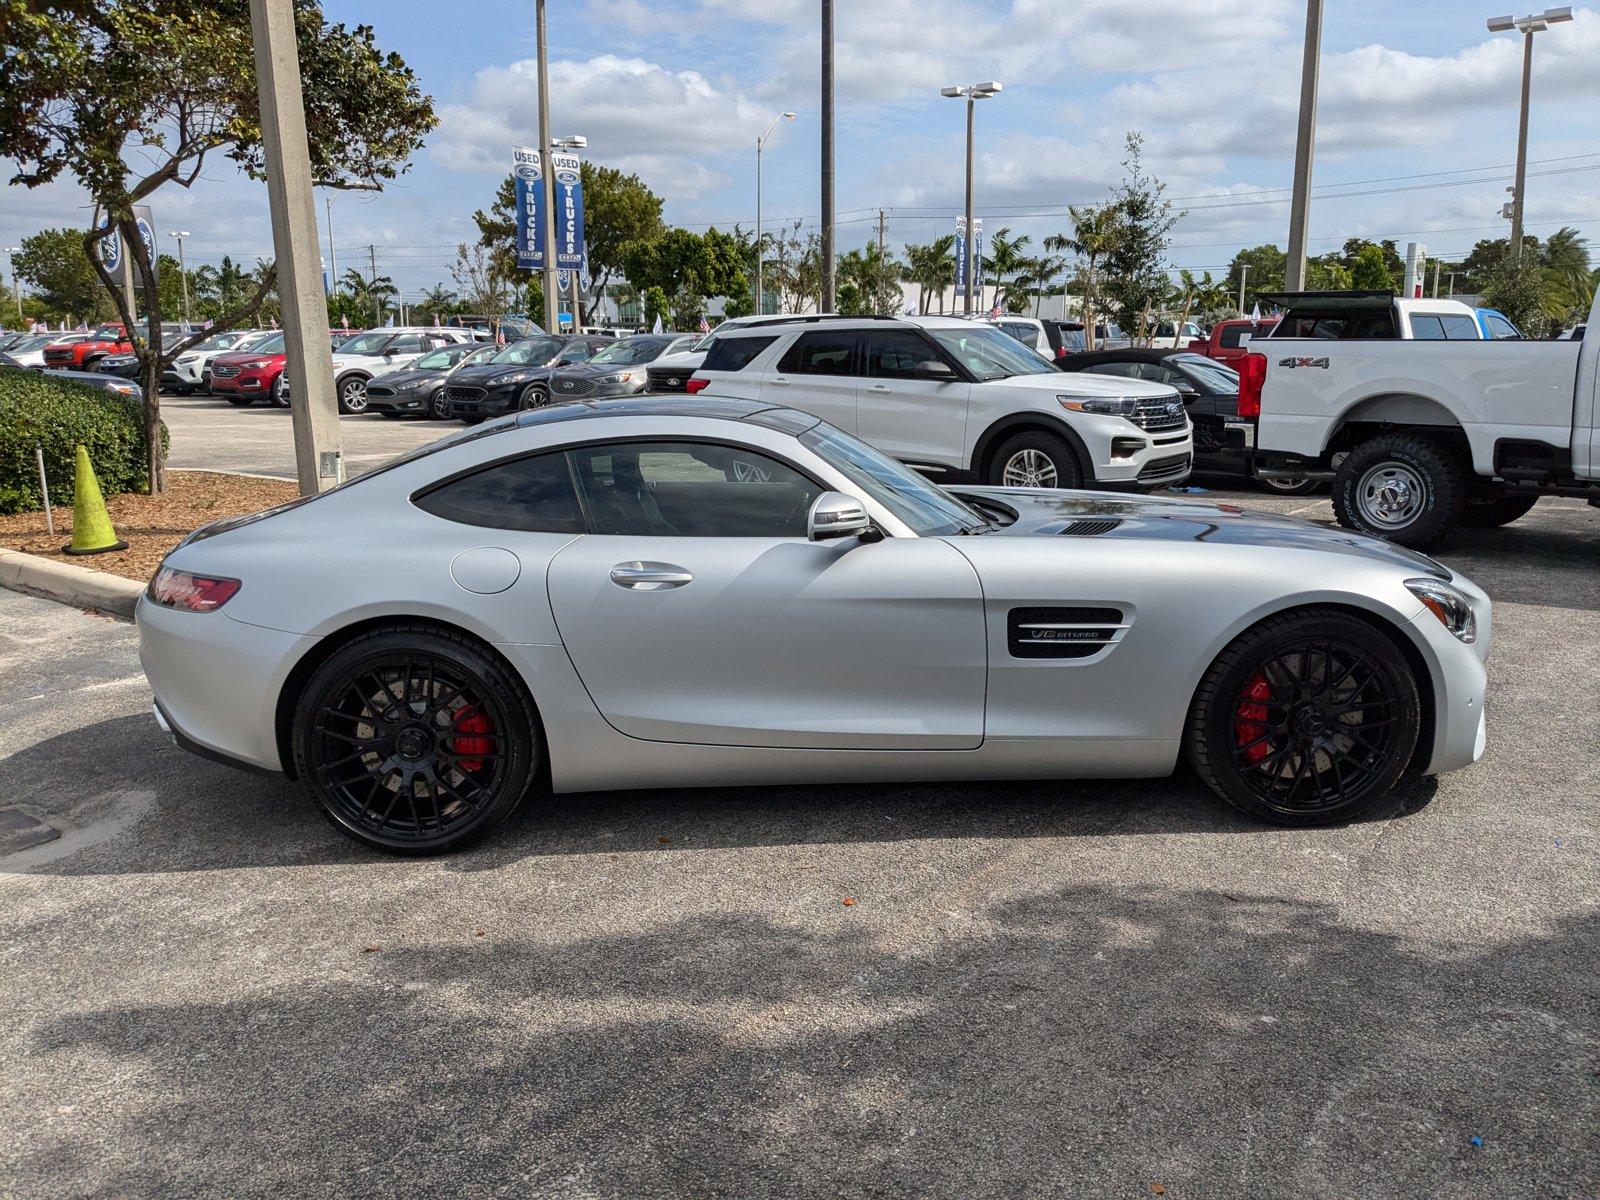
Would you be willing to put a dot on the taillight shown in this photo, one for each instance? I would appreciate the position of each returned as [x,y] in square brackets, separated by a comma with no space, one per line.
[1061,351]
[696,384]
[1252,375]
[193,593]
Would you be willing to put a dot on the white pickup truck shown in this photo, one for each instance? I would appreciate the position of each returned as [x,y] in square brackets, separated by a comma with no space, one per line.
[1421,435]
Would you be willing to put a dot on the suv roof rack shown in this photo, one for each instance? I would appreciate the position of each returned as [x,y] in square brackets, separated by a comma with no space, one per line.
[809,319]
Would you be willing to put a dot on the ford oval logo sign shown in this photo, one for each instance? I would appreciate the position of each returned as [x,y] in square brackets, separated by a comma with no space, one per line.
[570,178]
[525,172]
[1174,407]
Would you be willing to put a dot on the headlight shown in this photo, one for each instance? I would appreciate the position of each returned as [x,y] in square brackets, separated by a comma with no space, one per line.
[619,377]
[256,365]
[1116,406]
[187,359]
[1452,607]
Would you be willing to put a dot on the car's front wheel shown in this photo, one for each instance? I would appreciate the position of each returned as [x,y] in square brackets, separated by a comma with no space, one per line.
[277,393]
[1035,459]
[438,406]
[1308,718]
[535,395]
[415,740]
[353,394]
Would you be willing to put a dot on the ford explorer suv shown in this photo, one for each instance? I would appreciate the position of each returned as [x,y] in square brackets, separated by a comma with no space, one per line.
[959,400]
[191,370]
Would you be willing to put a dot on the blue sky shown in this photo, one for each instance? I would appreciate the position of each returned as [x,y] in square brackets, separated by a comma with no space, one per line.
[1418,119]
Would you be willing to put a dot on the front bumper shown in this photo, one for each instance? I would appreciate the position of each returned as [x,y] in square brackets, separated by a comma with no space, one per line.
[398,402]
[1125,457]
[246,383]
[491,404]
[1460,680]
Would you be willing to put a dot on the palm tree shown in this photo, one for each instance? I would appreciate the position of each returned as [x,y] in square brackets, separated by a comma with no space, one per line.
[1191,293]
[1007,258]
[1093,231]
[931,266]
[374,291]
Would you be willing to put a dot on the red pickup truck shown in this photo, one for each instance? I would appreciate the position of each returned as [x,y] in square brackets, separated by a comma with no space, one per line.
[1223,343]
[107,339]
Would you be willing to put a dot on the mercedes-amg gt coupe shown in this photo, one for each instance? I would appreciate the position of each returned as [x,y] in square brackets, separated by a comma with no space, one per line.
[671,592]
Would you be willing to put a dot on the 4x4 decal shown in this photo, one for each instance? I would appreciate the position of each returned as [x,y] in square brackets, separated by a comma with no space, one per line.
[1303,362]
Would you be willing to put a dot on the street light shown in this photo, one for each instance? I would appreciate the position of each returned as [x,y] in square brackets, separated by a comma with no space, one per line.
[16,287]
[761,143]
[972,93]
[183,274]
[1528,26]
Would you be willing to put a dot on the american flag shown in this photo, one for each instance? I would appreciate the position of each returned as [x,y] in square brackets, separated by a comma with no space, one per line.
[705,325]
[345,321]
[436,320]
[994,313]
[83,327]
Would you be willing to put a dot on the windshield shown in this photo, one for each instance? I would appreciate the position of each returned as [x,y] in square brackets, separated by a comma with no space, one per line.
[268,345]
[1210,374]
[925,507]
[989,353]
[33,343]
[108,333]
[532,350]
[633,350]
[439,359]
[221,342]
[370,344]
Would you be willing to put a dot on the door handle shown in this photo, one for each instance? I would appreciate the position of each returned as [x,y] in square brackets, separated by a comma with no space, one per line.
[649,576]
[879,387]
[778,381]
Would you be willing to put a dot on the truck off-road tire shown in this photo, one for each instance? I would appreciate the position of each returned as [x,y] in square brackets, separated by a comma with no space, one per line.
[1308,718]
[1400,488]
[1492,510]
[1035,458]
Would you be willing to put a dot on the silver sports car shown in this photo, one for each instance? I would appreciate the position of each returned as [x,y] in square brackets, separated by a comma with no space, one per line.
[670,592]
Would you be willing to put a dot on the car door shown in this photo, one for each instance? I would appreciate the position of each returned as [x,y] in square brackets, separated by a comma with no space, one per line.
[915,419]
[697,611]
[819,374]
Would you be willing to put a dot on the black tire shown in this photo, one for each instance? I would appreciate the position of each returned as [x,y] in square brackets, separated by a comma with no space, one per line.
[1260,728]
[1492,510]
[1034,453]
[276,393]
[1288,487]
[352,391]
[363,739]
[438,407]
[1400,488]
[535,395]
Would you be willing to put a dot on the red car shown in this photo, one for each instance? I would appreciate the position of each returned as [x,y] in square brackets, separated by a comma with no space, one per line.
[107,339]
[1223,343]
[254,374]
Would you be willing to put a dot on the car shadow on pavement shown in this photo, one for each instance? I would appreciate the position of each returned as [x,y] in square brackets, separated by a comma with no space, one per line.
[1080,1040]
[162,810]
[1567,562]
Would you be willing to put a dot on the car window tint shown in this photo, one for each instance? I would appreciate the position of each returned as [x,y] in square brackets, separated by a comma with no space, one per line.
[1460,328]
[820,354]
[406,343]
[1501,329]
[530,494]
[895,353]
[1125,369]
[735,353]
[690,489]
[1425,327]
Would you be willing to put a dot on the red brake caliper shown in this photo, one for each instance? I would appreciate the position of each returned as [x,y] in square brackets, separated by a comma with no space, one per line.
[1250,719]
[465,743]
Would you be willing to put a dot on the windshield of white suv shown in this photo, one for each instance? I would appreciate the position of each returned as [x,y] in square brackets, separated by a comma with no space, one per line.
[989,353]
[531,350]
[925,507]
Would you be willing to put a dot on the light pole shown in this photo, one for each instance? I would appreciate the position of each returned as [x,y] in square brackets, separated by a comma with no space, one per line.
[761,144]
[547,177]
[16,287]
[827,300]
[972,94]
[1528,26]
[1294,275]
[574,141]
[1244,273]
[183,275]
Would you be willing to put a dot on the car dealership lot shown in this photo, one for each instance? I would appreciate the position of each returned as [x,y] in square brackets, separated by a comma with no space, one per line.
[1037,988]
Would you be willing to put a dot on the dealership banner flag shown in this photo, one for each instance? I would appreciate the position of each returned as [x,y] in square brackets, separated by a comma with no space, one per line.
[961,256]
[527,172]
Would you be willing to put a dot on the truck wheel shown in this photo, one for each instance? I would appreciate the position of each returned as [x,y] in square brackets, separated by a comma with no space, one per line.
[1034,458]
[1492,510]
[1404,489]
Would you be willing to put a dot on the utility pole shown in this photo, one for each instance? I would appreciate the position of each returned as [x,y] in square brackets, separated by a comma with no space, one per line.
[1528,26]
[1451,293]
[1244,273]
[827,301]
[319,461]
[1436,265]
[761,144]
[1294,278]
[877,301]
[372,282]
[547,174]
[333,255]
[183,274]
[16,284]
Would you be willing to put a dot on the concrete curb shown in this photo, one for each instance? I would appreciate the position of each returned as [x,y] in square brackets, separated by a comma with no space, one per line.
[78,586]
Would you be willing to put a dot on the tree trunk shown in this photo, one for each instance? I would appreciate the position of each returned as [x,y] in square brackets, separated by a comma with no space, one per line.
[150,380]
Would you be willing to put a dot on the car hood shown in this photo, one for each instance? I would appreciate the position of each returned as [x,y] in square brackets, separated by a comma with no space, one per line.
[1086,383]
[689,359]
[485,374]
[409,375]
[1055,513]
[591,370]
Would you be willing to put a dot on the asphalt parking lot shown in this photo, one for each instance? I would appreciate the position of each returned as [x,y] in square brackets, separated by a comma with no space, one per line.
[1084,989]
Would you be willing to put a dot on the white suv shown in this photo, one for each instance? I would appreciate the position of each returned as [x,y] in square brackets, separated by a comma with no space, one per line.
[959,400]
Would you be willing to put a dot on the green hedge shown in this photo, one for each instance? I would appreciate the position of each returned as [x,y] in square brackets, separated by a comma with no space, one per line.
[38,409]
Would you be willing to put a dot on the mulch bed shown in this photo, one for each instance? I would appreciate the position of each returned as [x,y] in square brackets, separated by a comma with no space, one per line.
[151,525]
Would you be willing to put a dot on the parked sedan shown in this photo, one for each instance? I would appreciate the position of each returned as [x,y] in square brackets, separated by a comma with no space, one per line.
[127,364]
[658,592]
[1223,440]
[110,383]
[418,390]
[617,370]
[517,377]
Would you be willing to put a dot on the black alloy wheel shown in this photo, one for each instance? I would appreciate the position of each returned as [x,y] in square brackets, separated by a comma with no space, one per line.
[415,741]
[438,406]
[1305,719]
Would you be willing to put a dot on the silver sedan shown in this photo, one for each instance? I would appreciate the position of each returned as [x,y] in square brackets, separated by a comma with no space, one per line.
[669,592]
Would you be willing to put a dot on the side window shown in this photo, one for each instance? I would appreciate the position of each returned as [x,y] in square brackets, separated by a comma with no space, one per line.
[577,352]
[691,489]
[895,353]
[530,494]
[1501,329]
[406,343]
[1460,329]
[821,354]
[1124,369]
[1233,335]
[1426,327]
[735,353]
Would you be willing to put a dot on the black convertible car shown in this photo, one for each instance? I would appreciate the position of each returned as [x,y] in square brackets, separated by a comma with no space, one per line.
[1223,440]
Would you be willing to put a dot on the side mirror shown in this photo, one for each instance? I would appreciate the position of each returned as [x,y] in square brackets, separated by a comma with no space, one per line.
[835,515]
[933,368]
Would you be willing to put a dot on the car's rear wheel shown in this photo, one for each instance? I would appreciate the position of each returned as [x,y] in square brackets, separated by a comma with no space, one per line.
[1305,719]
[1289,487]
[353,394]
[1492,510]
[1401,488]
[415,741]
[1037,459]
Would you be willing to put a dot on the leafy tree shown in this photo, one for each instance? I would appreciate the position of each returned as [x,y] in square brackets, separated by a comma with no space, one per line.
[1327,273]
[931,266]
[486,288]
[682,263]
[128,95]
[437,301]
[656,305]
[1007,259]
[866,285]
[55,266]
[1094,232]
[1517,288]
[1369,271]
[1266,266]
[1135,270]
